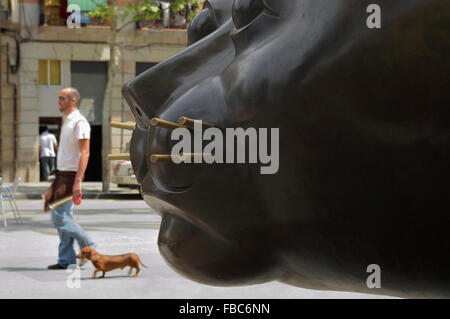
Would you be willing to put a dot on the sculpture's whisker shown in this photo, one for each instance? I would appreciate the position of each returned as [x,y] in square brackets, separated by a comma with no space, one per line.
[123,125]
[190,122]
[165,124]
[120,156]
[155,158]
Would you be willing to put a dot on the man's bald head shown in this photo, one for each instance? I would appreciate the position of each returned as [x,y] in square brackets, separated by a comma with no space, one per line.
[72,93]
[68,100]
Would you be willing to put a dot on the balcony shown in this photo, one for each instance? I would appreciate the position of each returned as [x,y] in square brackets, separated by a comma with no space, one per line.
[8,18]
[55,13]
[5,12]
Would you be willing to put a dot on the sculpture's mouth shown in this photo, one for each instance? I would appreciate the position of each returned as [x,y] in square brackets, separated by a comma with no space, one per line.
[182,241]
[185,239]
[172,189]
[197,251]
[190,250]
[174,231]
[170,212]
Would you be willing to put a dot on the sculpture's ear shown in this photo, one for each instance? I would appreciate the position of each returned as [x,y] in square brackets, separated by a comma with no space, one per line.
[221,9]
[202,25]
[214,14]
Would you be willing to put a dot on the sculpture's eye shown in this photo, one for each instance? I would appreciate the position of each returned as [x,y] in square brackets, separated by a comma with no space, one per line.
[245,11]
[203,24]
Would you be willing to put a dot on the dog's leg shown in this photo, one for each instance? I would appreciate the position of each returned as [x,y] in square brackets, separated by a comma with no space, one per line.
[103,276]
[96,271]
[137,271]
[129,272]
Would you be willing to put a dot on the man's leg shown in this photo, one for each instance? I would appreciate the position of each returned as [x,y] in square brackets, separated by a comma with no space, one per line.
[68,230]
[66,252]
[72,228]
[46,167]
[52,163]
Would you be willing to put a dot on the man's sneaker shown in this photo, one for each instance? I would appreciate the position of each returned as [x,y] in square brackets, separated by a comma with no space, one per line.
[56,267]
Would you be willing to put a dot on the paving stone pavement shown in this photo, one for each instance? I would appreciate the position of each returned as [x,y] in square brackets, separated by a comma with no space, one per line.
[117,227]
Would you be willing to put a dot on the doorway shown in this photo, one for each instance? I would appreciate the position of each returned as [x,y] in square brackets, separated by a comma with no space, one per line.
[90,79]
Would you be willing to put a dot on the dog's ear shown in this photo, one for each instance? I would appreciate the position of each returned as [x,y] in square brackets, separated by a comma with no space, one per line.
[86,251]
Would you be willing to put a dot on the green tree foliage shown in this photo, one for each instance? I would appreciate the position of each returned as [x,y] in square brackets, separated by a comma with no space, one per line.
[132,12]
[143,10]
[180,5]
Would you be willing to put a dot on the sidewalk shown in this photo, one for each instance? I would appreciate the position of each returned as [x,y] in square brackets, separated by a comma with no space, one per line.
[91,190]
[116,227]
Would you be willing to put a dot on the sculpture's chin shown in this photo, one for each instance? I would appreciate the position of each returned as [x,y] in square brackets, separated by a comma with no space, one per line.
[201,257]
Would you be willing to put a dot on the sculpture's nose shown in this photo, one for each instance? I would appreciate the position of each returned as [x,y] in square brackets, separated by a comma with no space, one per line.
[183,85]
[155,90]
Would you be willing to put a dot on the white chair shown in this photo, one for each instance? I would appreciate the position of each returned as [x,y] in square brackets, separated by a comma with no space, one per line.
[2,207]
[8,193]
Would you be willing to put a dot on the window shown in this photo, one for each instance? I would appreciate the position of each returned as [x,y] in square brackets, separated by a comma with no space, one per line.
[50,72]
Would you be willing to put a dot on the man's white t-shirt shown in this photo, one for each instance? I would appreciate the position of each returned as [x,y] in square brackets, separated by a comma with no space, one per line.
[47,141]
[75,127]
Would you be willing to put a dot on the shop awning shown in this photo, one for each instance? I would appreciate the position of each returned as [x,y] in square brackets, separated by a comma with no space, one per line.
[87,5]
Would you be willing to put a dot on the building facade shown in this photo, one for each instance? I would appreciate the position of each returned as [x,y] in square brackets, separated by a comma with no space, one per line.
[37,60]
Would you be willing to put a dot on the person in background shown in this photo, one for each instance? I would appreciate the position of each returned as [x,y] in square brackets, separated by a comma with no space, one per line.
[47,153]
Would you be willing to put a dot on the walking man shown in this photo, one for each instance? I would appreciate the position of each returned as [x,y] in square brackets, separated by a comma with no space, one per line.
[73,156]
[47,147]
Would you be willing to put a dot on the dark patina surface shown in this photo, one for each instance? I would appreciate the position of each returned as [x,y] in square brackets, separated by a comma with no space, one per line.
[364,123]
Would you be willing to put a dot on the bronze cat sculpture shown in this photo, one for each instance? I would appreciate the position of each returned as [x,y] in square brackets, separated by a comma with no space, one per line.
[364,145]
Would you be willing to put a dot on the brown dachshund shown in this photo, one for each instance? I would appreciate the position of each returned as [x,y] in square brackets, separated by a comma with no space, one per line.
[106,263]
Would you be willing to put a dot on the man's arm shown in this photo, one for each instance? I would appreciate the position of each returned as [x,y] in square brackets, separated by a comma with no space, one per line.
[55,143]
[84,158]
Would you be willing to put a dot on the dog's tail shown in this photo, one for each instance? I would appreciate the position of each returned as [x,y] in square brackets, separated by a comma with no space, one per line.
[143,264]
